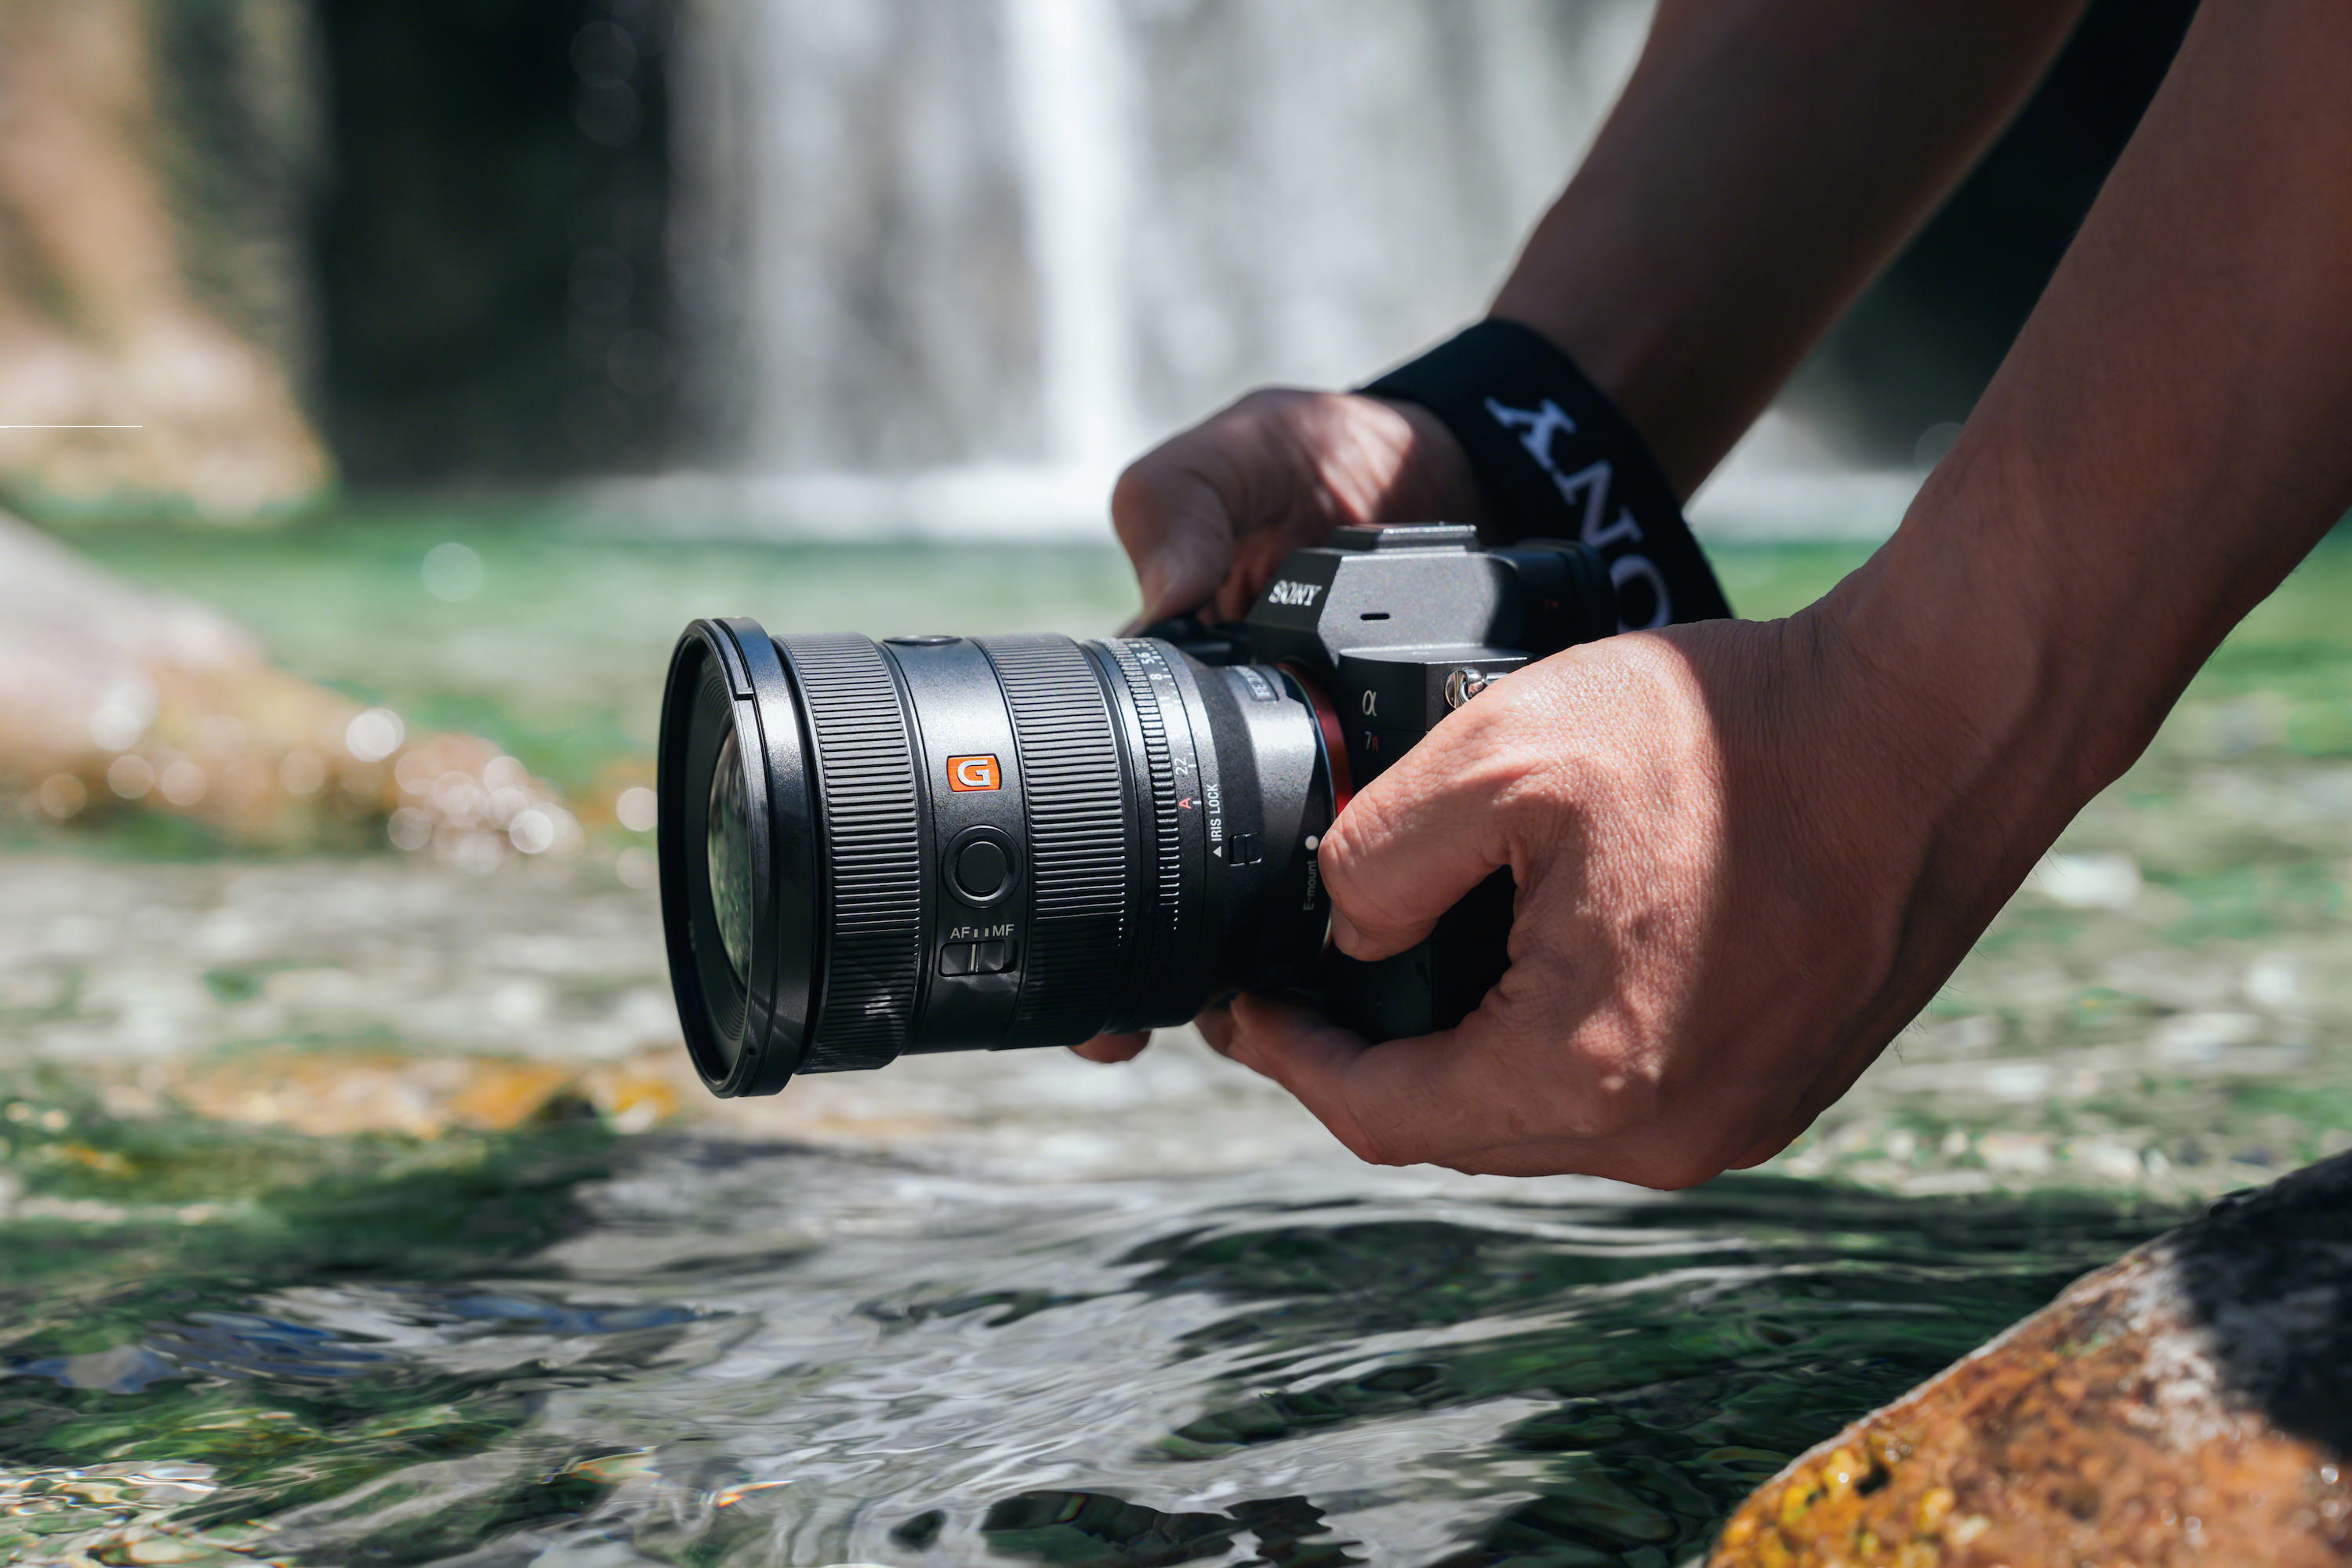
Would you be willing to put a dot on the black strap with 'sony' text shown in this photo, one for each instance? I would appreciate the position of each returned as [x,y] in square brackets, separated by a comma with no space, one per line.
[1555,459]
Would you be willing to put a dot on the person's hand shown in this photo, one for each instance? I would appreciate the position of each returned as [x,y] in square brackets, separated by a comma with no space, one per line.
[1207,515]
[1746,855]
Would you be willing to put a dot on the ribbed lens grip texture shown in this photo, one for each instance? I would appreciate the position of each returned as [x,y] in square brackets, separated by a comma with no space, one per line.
[874,846]
[1077,835]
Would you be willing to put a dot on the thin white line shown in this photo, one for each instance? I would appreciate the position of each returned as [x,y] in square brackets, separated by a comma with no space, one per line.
[72,427]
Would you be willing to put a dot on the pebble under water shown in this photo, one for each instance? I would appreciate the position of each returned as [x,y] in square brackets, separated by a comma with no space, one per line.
[567,1348]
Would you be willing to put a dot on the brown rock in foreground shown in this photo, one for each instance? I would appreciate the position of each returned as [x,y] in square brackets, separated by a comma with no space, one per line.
[2191,1403]
[114,698]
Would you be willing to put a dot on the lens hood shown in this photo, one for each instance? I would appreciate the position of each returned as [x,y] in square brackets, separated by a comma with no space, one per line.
[746,1018]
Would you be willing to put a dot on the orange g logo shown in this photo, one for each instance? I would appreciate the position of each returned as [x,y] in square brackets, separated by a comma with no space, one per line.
[973,772]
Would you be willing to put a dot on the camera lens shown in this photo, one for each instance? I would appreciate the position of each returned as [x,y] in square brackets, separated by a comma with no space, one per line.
[936,843]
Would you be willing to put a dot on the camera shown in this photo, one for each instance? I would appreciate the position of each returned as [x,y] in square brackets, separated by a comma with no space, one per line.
[937,843]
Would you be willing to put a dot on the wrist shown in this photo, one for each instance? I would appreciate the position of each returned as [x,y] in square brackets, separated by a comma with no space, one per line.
[1624,354]
[1553,458]
[1994,687]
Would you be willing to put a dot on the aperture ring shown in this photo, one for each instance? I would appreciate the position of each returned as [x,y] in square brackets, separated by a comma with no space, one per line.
[872,847]
[1075,794]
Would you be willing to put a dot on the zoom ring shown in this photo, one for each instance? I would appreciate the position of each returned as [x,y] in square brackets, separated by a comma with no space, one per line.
[1165,912]
[1075,796]
[873,845]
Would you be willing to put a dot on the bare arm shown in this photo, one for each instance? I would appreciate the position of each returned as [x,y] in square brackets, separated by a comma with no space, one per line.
[1764,162]
[1749,853]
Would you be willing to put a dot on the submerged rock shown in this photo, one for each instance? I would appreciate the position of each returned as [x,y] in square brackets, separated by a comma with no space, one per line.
[115,697]
[2190,1403]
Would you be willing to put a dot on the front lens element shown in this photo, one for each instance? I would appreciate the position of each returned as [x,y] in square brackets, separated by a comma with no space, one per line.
[727,857]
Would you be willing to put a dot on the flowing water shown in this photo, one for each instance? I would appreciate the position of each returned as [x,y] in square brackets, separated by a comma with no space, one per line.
[357,1209]
[570,1348]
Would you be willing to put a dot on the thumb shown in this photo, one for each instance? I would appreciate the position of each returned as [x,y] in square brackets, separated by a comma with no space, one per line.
[1412,843]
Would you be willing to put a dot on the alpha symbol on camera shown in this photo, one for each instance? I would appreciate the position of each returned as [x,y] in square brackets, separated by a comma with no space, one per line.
[973,772]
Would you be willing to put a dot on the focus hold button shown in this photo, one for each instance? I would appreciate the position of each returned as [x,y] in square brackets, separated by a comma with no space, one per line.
[980,865]
[980,869]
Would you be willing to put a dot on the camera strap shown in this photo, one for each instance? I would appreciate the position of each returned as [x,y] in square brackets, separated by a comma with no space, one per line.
[1555,459]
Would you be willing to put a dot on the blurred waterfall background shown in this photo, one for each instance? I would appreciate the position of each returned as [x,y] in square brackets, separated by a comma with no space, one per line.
[941,268]
[913,268]
[978,256]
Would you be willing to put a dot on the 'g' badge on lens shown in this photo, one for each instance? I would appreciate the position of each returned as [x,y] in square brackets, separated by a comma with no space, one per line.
[973,772]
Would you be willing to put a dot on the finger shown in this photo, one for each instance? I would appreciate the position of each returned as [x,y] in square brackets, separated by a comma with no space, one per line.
[1386,1102]
[1414,841]
[1294,1046]
[1391,1104]
[1216,1026]
[1107,1049]
[1175,529]
[1523,1085]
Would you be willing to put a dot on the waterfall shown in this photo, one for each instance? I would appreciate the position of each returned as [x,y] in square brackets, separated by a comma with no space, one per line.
[952,262]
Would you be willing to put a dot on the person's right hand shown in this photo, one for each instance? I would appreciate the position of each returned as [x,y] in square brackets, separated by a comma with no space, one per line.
[1209,513]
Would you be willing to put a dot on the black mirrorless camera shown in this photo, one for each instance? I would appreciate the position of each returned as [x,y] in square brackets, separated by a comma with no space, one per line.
[944,844]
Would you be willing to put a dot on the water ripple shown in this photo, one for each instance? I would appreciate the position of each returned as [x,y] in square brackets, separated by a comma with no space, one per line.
[782,1356]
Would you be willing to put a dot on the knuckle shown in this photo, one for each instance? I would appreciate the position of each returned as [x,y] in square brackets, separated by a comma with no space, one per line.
[1358,833]
[1616,1102]
[1264,403]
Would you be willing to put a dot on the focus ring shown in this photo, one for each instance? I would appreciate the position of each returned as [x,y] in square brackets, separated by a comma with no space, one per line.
[866,778]
[1165,911]
[1076,798]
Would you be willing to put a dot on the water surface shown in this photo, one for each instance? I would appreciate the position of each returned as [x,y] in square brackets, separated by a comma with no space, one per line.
[561,1347]
[360,1209]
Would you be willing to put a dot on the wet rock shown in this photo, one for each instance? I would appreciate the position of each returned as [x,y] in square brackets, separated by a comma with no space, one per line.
[2190,1403]
[148,309]
[114,698]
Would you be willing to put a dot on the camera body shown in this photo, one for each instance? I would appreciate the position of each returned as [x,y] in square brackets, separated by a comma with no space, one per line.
[1389,630]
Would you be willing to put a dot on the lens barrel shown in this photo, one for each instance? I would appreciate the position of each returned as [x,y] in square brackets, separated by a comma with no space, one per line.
[933,844]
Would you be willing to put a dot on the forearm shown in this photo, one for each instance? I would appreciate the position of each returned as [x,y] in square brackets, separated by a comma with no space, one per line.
[2171,432]
[1767,158]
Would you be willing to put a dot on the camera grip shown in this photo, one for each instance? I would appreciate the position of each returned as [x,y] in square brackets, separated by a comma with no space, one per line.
[1435,984]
